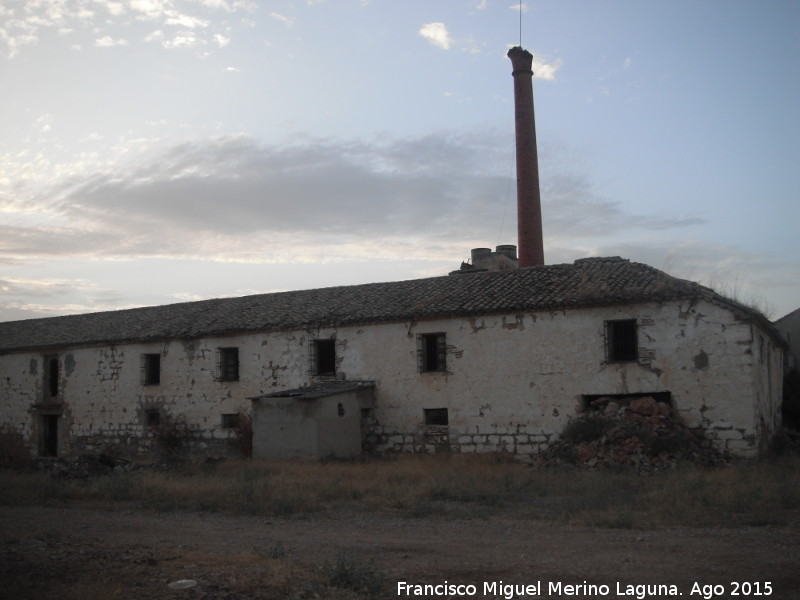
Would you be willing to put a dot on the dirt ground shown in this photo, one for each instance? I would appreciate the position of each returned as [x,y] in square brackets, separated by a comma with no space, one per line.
[122,553]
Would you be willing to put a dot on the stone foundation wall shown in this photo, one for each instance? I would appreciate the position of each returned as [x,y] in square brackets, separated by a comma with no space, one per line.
[456,440]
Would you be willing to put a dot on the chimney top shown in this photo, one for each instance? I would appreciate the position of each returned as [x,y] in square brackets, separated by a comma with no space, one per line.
[521,59]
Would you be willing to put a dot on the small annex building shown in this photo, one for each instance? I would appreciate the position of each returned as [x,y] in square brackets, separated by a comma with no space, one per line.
[322,420]
[471,362]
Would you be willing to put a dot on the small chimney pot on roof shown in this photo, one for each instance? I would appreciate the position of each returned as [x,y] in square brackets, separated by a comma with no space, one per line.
[479,253]
[509,250]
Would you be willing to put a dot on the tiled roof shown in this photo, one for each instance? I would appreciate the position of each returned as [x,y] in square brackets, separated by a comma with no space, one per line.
[587,282]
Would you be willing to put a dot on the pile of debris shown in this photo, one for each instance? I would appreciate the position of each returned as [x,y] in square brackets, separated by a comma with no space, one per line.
[636,431]
[84,466]
[93,464]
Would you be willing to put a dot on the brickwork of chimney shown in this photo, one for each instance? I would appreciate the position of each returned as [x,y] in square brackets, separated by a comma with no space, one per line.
[529,210]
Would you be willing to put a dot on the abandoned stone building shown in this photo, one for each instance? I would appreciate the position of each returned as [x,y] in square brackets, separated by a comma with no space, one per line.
[478,361]
[498,356]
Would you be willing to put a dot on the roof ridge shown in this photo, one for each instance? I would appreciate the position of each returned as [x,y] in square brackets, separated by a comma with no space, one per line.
[592,281]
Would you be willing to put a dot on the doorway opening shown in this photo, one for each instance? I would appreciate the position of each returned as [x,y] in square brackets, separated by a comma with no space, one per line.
[49,435]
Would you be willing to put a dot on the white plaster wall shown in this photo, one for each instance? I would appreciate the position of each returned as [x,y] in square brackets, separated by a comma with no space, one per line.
[20,388]
[768,360]
[512,381]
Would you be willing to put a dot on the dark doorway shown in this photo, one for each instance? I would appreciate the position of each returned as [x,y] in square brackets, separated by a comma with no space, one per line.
[49,436]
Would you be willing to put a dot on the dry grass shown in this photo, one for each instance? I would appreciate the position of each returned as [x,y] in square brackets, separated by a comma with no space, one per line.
[746,493]
[111,573]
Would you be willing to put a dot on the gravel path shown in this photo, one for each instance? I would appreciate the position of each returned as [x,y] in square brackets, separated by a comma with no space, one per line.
[138,553]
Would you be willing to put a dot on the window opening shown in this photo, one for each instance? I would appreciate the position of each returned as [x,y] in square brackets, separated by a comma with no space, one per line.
[431,352]
[151,369]
[340,409]
[49,436]
[323,357]
[437,430]
[436,417]
[230,421]
[152,417]
[228,364]
[621,340]
[51,377]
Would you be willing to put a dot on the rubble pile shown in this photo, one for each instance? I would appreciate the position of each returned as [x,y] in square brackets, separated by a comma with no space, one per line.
[84,466]
[91,464]
[634,431]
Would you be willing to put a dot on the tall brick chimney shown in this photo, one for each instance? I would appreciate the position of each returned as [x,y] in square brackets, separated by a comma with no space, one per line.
[529,206]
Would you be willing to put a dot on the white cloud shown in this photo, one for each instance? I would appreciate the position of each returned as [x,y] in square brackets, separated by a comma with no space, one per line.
[22,28]
[186,21]
[628,62]
[542,69]
[150,8]
[108,42]
[523,6]
[115,8]
[184,39]
[436,34]
[288,21]
[154,36]
[45,123]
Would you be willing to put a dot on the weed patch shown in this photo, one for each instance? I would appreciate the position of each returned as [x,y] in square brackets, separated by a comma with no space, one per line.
[348,573]
[14,451]
[455,486]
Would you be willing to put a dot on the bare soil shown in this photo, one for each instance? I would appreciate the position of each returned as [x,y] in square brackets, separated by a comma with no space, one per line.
[64,552]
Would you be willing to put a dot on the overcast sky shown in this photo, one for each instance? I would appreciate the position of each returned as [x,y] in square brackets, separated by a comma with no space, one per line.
[155,151]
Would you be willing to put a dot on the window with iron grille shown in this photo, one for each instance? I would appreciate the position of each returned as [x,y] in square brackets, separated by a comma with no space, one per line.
[436,417]
[51,377]
[228,364]
[622,343]
[431,352]
[230,421]
[151,369]
[152,417]
[323,357]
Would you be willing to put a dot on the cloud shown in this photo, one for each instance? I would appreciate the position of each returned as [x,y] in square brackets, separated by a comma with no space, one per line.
[288,21]
[108,42]
[313,201]
[24,23]
[25,298]
[436,34]
[542,69]
[182,20]
[230,198]
[183,39]
[47,288]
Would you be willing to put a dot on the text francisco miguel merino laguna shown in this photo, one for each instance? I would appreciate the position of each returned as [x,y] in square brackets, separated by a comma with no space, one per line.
[498,589]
